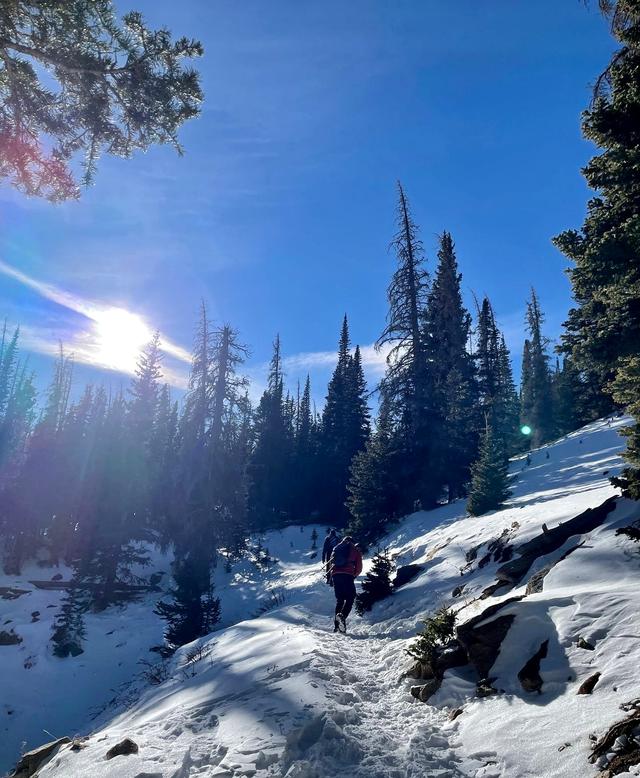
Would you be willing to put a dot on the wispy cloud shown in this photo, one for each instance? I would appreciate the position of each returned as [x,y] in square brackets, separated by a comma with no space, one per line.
[109,337]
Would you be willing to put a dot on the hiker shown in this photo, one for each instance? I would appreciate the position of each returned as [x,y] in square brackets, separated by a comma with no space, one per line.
[346,566]
[330,542]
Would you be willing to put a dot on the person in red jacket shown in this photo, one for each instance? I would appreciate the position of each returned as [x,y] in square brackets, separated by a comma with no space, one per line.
[346,566]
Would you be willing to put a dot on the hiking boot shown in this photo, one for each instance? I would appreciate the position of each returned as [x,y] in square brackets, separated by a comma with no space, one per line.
[342,623]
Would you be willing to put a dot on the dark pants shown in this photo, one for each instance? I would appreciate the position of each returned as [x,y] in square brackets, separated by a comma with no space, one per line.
[344,587]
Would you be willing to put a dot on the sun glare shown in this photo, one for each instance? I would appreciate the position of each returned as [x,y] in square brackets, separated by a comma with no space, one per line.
[120,337]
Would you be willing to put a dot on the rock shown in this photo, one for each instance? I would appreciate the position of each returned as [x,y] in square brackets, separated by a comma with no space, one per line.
[458,591]
[10,638]
[582,643]
[529,675]
[405,574]
[57,577]
[455,713]
[482,641]
[589,685]
[551,540]
[35,616]
[32,760]
[484,688]
[535,583]
[427,690]
[123,748]
[452,655]
[420,671]
[621,763]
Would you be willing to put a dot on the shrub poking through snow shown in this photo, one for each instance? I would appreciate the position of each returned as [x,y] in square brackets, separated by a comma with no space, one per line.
[377,584]
[437,631]
[489,476]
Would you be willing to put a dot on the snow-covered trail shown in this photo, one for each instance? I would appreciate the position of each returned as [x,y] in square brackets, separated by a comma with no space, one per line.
[370,723]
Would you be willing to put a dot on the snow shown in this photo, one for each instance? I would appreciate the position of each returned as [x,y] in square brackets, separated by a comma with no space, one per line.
[279,694]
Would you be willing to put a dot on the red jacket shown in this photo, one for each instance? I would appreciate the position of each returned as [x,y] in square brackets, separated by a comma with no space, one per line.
[353,566]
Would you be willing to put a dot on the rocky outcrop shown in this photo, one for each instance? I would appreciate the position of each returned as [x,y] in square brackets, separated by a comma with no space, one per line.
[405,574]
[590,684]
[551,540]
[426,690]
[482,636]
[9,638]
[123,748]
[32,760]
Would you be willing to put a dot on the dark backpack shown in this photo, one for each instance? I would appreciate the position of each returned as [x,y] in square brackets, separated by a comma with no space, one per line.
[341,554]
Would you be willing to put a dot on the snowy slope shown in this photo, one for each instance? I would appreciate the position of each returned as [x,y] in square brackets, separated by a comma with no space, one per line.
[280,694]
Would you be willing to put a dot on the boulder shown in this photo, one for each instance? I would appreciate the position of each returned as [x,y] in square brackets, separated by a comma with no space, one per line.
[9,638]
[481,640]
[123,748]
[589,685]
[452,655]
[405,574]
[426,690]
[582,643]
[455,713]
[32,760]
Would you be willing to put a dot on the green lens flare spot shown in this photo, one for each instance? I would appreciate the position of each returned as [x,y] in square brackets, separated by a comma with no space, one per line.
[525,429]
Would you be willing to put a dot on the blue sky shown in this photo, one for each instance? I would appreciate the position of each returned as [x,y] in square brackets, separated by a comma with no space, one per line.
[280,213]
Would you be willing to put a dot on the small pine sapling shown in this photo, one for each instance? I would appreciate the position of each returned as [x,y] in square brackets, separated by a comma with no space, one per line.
[377,583]
[437,631]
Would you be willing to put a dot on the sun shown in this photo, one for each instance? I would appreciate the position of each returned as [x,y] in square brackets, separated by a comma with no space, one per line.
[120,336]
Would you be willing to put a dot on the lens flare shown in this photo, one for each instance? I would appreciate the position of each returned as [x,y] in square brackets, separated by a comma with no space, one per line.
[526,429]
[120,335]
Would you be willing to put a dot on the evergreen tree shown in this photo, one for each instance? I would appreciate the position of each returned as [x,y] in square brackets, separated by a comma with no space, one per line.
[194,611]
[69,630]
[602,333]
[408,382]
[377,583]
[536,396]
[374,493]
[73,81]
[344,428]
[489,476]
[269,467]
[498,399]
[447,330]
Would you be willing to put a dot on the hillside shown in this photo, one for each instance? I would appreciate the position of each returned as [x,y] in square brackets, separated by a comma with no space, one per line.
[279,694]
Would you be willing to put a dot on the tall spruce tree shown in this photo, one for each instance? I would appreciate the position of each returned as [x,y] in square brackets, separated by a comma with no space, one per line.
[408,382]
[344,428]
[536,395]
[602,333]
[270,462]
[447,330]
[374,494]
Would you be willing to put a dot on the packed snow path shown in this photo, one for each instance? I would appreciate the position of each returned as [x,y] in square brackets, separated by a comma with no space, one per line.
[371,727]
[280,695]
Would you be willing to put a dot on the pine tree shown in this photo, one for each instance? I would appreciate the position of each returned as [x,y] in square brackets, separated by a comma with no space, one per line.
[69,630]
[374,493]
[408,382]
[269,467]
[344,428]
[536,395]
[489,476]
[498,399]
[377,584]
[447,331]
[602,333]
